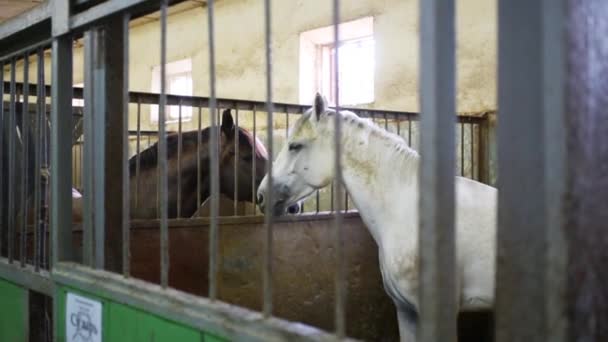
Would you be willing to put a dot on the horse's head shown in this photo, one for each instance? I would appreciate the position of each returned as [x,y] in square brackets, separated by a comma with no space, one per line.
[306,162]
[249,149]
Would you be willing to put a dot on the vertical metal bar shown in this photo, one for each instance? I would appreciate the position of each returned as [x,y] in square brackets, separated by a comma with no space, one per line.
[318,198]
[126,242]
[236,158]
[436,234]
[137,156]
[40,114]
[214,158]
[267,273]
[398,122]
[12,126]
[198,159]
[521,234]
[99,145]
[162,150]
[89,170]
[179,159]
[253,159]
[4,151]
[462,159]
[385,122]
[61,142]
[472,133]
[409,130]
[25,135]
[340,276]
[556,162]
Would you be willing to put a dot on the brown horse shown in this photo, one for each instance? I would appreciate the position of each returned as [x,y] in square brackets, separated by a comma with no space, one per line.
[143,187]
[143,190]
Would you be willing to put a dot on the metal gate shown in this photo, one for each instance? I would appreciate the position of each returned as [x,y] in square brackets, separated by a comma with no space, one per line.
[551,63]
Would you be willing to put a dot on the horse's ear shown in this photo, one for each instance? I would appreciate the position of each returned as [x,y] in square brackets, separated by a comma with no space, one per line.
[320,105]
[227,123]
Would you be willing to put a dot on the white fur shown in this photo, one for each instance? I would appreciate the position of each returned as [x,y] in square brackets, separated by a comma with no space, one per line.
[380,173]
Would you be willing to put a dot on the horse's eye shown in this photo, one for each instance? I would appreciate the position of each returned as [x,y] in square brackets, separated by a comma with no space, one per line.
[295,147]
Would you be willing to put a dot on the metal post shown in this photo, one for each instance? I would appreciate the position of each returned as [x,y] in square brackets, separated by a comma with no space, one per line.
[126,251]
[88,172]
[61,151]
[436,235]
[340,276]
[213,159]
[162,151]
[521,235]
[267,272]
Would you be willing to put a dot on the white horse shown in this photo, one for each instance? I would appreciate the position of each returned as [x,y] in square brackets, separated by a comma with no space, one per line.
[380,173]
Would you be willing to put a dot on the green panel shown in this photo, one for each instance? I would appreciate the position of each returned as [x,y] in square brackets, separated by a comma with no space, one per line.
[13,312]
[125,323]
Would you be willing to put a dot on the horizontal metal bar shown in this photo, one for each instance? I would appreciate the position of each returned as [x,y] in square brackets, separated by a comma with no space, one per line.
[27,277]
[25,20]
[102,11]
[46,43]
[219,318]
[279,107]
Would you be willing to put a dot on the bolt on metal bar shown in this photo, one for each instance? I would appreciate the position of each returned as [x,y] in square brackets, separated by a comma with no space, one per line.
[137,156]
[214,158]
[88,157]
[126,241]
[12,126]
[340,276]
[267,273]
[437,320]
[162,150]
[61,142]
[179,160]
[236,160]
[25,135]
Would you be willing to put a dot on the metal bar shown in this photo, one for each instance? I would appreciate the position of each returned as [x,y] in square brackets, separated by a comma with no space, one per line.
[179,161]
[198,159]
[26,20]
[61,142]
[26,276]
[521,234]
[88,171]
[409,131]
[162,150]
[437,294]
[253,159]
[267,272]
[462,159]
[137,156]
[12,127]
[4,151]
[99,73]
[556,134]
[213,158]
[101,11]
[45,146]
[318,201]
[228,321]
[398,121]
[60,23]
[236,160]
[126,241]
[39,127]
[385,121]
[25,134]
[472,133]
[340,275]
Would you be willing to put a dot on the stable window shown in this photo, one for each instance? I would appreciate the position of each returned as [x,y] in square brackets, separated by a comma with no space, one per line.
[356,62]
[178,82]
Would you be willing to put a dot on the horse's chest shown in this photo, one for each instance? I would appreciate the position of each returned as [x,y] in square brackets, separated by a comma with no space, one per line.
[400,276]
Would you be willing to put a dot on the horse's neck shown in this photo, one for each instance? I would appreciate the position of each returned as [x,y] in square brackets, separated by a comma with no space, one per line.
[383,184]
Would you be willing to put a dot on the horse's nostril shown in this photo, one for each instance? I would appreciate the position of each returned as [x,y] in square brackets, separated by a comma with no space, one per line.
[260,199]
